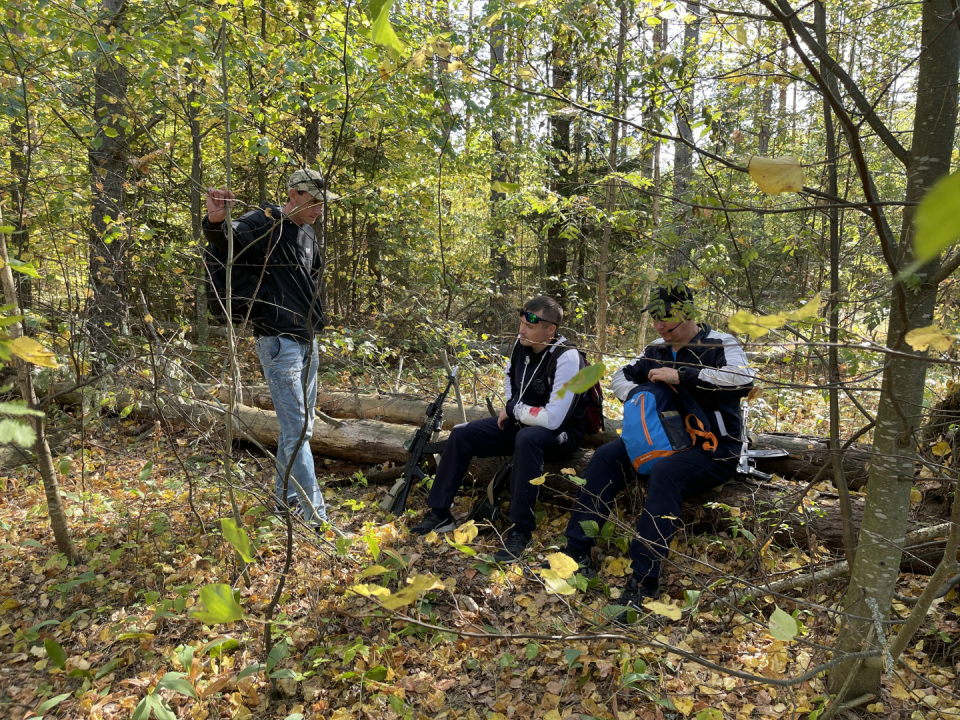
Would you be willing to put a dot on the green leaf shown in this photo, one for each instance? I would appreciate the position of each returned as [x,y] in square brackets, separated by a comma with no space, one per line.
[583,380]
[278,653]
[531,650]
[505,187]
[782,626]
[591,528]
[110,132]
[471,663]
[18,409]
[237,537]
[177,682]
[284,674]
[218,647]
[250,670]
[17,432]
[26,268]
[145,473]
[571,654]
[382,31]
[219,605]
[709,714]
[185,656]
[7,229]
[377,673]
[52,703]
[937,222]
[162,710]
[55,652]
[107,669]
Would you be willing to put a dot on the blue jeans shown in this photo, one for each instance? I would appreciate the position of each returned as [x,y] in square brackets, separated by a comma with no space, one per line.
[290,369]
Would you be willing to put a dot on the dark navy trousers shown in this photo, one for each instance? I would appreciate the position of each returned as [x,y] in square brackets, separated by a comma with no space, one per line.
[672,480]
[482,438]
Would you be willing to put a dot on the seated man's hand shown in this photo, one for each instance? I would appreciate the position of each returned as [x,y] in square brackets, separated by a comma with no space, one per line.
[662,374]
[217,201]
[503,419]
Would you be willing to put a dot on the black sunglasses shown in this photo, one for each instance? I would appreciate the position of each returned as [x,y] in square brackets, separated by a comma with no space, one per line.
[533,318]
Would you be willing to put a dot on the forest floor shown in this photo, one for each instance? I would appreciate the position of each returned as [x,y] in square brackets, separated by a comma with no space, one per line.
[94,640]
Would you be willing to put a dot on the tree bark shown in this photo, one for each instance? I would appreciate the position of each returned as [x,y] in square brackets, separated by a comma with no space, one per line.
[562,181]
[108,169]
[48,473]
[875,571]
[611,190]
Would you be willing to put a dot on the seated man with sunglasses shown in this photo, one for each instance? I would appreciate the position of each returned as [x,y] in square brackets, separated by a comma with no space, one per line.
[535,424]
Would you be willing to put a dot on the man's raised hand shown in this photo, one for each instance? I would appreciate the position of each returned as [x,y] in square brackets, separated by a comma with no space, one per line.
[663,374]
[217,199]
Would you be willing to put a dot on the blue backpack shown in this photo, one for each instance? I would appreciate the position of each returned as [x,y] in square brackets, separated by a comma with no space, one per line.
[661,419]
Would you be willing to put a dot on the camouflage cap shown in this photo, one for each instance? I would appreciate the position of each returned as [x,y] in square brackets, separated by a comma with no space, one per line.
[311,181]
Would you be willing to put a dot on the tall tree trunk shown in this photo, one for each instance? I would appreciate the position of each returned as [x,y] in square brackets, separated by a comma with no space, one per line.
[500,263]
[899,411]
[20,170]
[563,181]
[108,169]
[611,189]
[48,473]
[683,161]
[196,213]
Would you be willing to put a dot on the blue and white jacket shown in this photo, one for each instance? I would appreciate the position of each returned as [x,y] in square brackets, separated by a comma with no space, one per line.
[716,372]
[532,380]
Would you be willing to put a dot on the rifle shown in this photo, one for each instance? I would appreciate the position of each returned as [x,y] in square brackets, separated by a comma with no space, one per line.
[419,446]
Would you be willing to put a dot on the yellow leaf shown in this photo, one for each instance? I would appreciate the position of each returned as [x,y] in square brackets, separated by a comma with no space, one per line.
[941,448]
[374,570]
[418,584]
[526,73]
[617,567]
[370,590]
[915,496]
[538,480]
[684,704]
[562,564]
[776,175]
[875,708]
[741,34]
[552,715]
[921,338]
[810,310]
[756,326]
[524,3]
[556,584]
[33,352]
[669,611]
[568,471]
[148,318]
[466,532]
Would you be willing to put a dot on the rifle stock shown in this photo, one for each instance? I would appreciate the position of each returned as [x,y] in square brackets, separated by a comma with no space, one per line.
[421,445]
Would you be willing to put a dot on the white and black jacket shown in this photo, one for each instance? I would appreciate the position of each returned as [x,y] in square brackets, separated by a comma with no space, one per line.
[532,380]
[713,368]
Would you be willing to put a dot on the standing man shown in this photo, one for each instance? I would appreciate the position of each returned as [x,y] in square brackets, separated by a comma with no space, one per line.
[713,367]
[278,247]
[536,423]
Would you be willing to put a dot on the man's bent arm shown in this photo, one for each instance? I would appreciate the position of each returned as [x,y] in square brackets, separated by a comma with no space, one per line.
[734,375]
[556,411]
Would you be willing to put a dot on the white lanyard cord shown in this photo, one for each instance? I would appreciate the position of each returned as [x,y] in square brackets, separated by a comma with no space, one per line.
[526,361]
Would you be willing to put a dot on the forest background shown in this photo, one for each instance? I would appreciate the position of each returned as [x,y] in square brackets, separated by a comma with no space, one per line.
[485,152]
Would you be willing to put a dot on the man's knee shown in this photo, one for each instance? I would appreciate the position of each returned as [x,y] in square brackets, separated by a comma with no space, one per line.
[533,439]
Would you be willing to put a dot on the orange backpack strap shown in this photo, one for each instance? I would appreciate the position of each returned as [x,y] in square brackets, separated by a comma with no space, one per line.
[710,440]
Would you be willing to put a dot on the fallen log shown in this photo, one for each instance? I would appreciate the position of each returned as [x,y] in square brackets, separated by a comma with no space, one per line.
[807,453]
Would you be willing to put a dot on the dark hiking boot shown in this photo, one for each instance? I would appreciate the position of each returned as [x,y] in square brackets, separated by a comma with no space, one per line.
[636,591]
[513,546]
[435,521]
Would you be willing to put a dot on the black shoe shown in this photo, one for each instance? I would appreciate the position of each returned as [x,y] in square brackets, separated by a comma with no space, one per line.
[434,521]
[514,545]
[636,591]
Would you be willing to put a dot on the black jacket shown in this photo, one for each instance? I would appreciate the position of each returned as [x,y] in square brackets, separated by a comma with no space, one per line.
[531,381]
[713,368]
[288,298]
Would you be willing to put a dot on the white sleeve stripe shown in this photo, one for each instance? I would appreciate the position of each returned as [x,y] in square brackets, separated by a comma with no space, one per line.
[507,389]
[736,370]
[558,409]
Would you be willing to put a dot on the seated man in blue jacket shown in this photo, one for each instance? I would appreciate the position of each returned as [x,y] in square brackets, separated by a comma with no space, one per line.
[535,424]
[713,367]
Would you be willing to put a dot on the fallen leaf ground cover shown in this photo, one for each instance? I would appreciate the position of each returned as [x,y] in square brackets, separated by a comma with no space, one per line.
[464,638]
